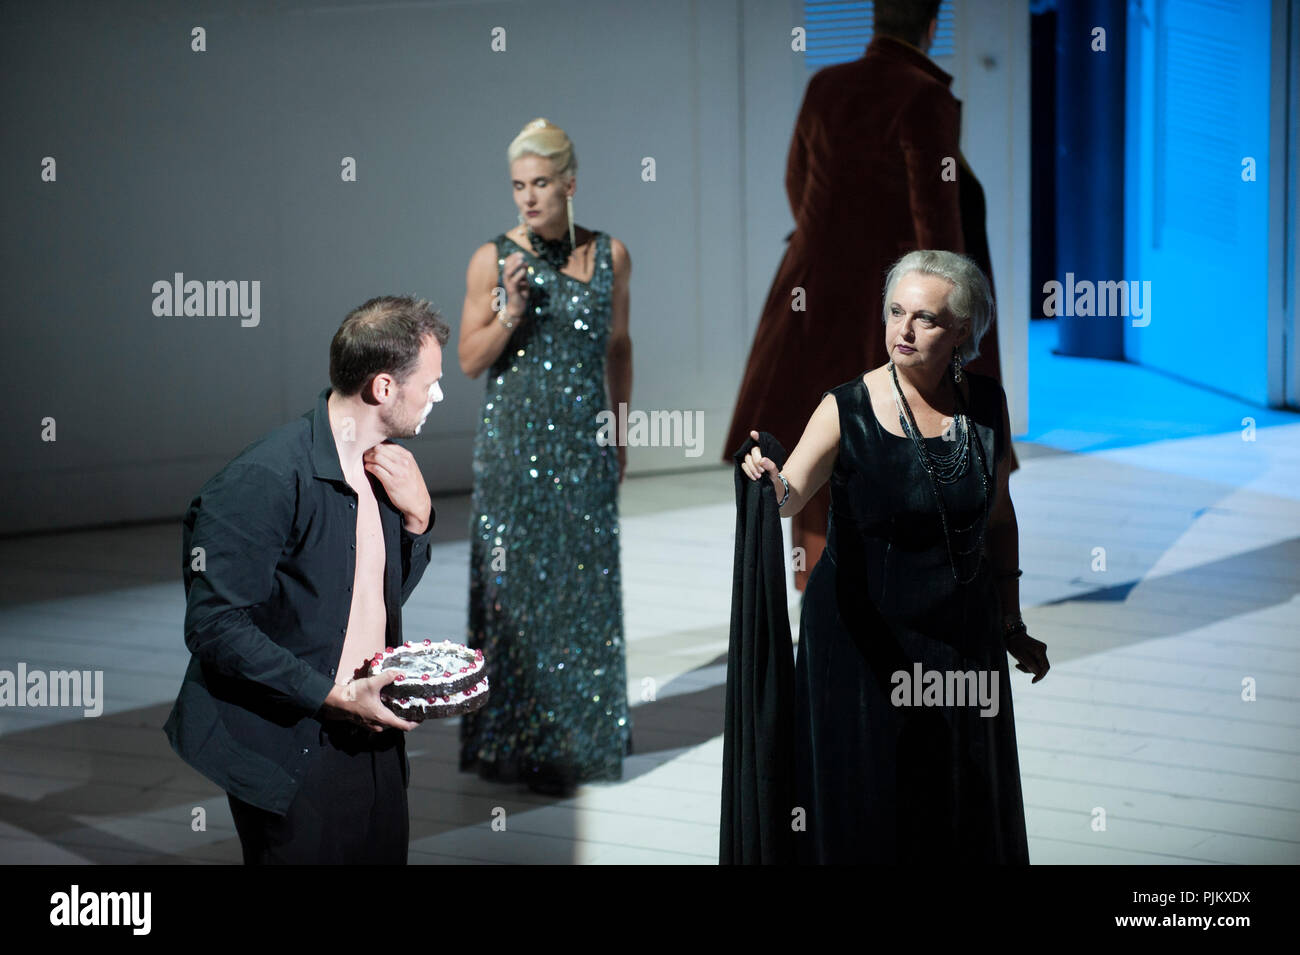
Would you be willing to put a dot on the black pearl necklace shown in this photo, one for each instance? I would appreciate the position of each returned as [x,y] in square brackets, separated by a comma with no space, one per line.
[554,252]
[931,469]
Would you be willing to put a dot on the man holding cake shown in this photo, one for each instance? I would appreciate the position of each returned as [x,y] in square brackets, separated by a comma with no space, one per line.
[298,557]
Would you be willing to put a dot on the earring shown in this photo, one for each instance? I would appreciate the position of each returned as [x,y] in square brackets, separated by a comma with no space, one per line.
[521,217]
[956,367]
[572,242]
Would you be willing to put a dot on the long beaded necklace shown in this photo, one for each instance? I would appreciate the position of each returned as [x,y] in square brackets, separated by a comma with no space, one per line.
[950,465]
[931,465]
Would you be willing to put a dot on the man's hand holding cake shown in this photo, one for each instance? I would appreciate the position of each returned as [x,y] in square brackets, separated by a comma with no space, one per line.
[428,680]
[359,702]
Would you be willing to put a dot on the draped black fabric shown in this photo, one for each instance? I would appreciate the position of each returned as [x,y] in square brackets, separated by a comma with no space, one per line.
[758,740]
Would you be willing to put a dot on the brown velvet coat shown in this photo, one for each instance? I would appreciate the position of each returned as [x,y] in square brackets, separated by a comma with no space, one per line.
[865,183]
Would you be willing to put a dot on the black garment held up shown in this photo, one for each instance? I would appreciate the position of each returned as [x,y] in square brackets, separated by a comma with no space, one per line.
[758,740]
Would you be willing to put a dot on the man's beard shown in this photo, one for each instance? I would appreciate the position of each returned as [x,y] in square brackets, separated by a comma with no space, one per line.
[395,429]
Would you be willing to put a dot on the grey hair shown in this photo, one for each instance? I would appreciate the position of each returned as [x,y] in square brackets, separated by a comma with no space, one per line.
[970,300]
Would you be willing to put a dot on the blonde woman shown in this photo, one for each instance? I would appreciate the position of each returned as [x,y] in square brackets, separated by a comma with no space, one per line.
[546,317]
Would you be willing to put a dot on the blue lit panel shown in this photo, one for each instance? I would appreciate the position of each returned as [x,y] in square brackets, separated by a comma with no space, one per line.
[1195,227]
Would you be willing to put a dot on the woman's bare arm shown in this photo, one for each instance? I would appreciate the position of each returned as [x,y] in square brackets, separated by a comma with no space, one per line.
[810,463]
[1004,553]
[482,335]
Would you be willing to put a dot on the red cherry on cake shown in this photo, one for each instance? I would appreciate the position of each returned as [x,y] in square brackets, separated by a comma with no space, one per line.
[424,677]
[388,649]
[401,677]
[446,673]
[407,643]
[428,643]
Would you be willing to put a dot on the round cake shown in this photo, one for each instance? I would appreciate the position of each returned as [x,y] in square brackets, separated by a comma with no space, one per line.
[433,679]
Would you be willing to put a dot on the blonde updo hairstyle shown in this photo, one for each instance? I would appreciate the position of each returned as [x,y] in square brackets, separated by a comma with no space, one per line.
[543,138]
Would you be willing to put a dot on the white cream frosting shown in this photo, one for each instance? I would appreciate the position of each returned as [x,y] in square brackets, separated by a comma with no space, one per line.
[430,664]
[451,699]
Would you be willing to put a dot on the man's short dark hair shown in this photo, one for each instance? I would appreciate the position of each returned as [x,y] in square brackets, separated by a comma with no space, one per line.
[904,19]
[383,336]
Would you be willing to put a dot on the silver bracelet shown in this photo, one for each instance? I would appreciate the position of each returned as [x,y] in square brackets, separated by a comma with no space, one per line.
[781,503]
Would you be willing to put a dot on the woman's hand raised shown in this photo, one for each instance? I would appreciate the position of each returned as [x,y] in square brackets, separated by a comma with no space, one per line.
[755,465]
[516,285]
[808,465]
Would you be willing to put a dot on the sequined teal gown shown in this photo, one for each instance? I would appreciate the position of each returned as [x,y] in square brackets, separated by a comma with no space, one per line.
[545,596]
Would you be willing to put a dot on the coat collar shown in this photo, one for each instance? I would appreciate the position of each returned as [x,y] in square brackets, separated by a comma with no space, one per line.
[324,452]
[903,52]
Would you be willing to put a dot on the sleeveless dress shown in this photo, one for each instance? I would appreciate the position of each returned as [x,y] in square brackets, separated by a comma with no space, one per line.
[880,781]
[545,604]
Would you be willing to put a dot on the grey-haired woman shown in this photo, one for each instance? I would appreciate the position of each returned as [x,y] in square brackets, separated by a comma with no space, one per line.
[905,737]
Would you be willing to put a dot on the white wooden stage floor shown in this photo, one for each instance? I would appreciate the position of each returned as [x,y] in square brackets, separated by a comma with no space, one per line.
[1141,716]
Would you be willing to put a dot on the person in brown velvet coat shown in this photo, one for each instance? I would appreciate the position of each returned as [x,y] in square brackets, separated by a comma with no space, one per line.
[874,172]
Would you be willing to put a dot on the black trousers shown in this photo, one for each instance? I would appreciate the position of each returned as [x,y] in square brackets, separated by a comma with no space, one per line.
[349,810]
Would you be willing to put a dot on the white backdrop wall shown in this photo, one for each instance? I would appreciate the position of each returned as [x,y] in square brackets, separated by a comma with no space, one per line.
[225,165]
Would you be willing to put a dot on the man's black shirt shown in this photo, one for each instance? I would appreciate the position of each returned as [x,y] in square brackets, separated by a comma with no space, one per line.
[268,557]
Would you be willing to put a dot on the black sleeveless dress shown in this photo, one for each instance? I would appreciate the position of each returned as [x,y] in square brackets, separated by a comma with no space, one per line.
[880,781]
